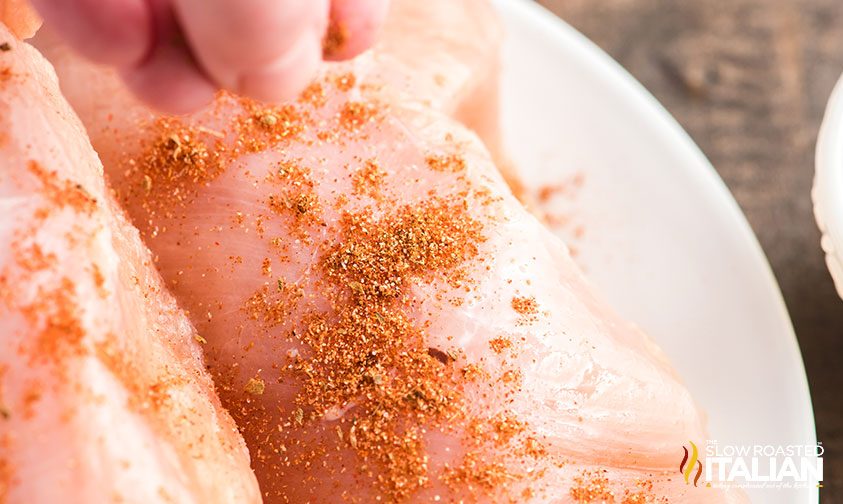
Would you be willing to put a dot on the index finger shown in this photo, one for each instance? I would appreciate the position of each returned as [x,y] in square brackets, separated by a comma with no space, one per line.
[262,48]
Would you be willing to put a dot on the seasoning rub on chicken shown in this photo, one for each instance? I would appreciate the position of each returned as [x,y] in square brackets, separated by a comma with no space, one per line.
[381,317]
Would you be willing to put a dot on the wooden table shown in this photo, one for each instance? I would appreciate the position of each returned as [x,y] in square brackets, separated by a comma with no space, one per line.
[749,79]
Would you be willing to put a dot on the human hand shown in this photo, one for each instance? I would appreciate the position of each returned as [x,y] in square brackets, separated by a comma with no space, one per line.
[175,54]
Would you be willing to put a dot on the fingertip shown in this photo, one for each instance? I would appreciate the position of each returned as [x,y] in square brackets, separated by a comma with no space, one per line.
[285,78]
[231,39]
[170,82]
[111,32]
[353,28]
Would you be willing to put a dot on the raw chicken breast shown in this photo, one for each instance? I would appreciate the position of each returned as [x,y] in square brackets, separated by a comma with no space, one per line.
[19,18]
[383,319]
[103,392]
[445,55]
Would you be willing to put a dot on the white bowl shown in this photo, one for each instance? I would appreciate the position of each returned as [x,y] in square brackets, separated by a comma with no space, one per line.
[828,185]
[663,239]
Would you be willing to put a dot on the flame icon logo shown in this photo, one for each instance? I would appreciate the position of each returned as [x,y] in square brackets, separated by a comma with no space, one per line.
[686,467]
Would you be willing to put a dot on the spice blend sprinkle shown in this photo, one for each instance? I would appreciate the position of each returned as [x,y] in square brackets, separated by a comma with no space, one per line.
[353,385]
[363,366]
[594,487]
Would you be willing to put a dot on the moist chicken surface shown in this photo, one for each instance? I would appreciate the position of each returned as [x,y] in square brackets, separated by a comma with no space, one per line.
[103,392]
[381,316]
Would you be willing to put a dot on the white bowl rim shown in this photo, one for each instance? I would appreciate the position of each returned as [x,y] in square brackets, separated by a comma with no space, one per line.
[704,172]
[828,185]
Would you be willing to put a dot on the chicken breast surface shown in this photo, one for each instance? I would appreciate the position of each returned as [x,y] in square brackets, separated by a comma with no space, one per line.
[383,319]
[103,392]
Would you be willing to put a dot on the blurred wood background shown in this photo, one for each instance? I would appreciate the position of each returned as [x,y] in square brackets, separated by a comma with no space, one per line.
[749,79]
